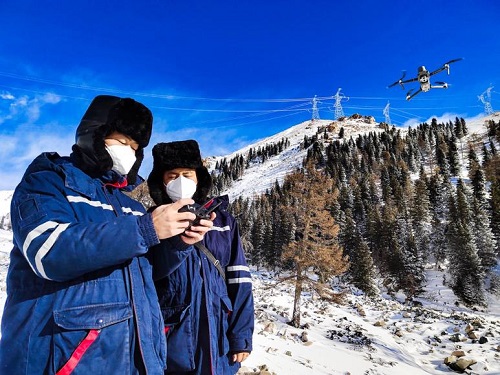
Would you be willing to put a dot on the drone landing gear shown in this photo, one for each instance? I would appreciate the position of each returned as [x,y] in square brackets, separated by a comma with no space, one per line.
[409,95]
[440,85]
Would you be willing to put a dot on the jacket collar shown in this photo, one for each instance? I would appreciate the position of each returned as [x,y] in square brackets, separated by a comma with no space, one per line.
[74,178]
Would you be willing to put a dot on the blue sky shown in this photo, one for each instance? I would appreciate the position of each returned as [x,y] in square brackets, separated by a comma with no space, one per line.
[228,73]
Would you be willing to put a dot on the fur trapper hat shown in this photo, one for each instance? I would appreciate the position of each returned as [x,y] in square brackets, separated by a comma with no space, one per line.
[178,154]
[105,115]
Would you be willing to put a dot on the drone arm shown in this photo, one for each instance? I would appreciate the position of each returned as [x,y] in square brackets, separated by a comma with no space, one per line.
[401,82]
[410,80]
[444,67]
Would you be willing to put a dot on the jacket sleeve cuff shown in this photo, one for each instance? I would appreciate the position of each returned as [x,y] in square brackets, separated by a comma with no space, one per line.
[147,230]
[237,345]
[177,243]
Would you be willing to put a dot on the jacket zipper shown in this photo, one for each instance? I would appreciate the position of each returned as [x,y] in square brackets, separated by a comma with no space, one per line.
[131,293]
[202,268]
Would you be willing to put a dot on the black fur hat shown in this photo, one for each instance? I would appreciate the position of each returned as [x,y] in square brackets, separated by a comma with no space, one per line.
[179,154]
[105,115]
[132,119]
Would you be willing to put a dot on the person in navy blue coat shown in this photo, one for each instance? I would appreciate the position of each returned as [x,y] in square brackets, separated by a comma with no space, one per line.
[208,314]
[80,292]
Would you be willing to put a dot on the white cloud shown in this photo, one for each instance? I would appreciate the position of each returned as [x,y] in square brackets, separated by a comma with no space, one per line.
[23,146]
[9,144]
[6,96]
[444,118]
[24,108]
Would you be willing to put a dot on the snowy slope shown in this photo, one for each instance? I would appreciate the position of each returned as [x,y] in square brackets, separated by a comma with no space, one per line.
[366,337]
[261,176]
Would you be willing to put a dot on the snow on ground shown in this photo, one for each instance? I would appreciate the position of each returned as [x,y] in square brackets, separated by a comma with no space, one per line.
[368,337]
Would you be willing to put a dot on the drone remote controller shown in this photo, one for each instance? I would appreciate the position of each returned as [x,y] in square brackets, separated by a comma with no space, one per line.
[201,212]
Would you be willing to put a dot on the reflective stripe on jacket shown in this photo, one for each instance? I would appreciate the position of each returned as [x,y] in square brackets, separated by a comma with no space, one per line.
[78,287]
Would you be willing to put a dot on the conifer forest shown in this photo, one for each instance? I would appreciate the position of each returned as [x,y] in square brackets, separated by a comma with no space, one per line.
[379,209]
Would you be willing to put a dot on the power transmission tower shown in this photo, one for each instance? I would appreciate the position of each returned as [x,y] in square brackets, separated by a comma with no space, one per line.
[386,114]
[338,106]
[315,112]
[487,100]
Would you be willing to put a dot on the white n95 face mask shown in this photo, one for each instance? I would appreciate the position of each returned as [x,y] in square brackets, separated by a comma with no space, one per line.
[123,158]
[179,188]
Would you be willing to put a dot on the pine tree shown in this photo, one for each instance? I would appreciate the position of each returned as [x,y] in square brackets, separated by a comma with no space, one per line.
[441,159]
[405,266]
[341,132]
[474,164]
[492,173]
[413,262]
[482,230]
[458,128]
[421,216]
[359,211]
[483,236]
[495,213]
[486,155]
[465,265]
[453,159]
[441,190]
[387,249]
[257,236]
[315,247]
[361,269]
[373,230]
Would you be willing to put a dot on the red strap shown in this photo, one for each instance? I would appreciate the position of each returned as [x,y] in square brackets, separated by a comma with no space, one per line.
[78,353]
[166,329]
[118,184]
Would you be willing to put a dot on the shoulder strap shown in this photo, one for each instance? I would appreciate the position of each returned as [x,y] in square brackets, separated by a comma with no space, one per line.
[210,256]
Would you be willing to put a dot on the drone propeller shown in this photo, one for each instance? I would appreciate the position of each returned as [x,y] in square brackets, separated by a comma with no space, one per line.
[399,81]
[454,60]
[446,65]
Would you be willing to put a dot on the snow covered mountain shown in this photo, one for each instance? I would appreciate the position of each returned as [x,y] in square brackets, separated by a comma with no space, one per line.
[261,176]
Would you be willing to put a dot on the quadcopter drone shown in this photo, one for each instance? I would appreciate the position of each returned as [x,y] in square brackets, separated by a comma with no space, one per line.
[424,79]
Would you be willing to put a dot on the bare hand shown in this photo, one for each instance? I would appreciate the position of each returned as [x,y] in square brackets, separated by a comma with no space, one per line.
[169,222]
[240,357]
[196,233]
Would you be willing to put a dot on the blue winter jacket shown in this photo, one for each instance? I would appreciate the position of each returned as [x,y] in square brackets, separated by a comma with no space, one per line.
[78,285]
[205,316]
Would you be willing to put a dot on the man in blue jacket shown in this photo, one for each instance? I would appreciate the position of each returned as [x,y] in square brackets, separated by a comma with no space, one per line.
[208,313]
[80,293]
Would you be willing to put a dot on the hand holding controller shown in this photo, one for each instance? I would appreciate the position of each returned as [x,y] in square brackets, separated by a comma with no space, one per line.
[201,212]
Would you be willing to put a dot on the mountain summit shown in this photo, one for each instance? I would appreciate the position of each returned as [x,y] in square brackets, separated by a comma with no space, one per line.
[261,173]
